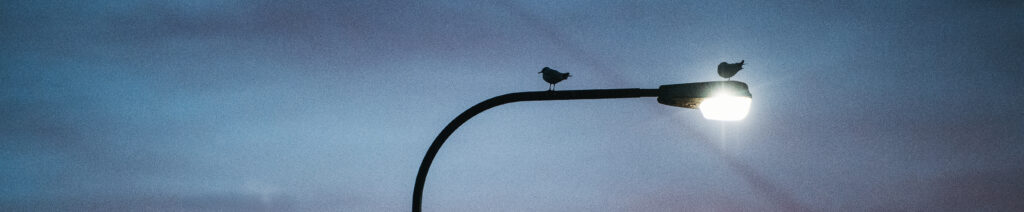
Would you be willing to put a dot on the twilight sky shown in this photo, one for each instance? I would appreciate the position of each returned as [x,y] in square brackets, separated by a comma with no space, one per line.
[221,105]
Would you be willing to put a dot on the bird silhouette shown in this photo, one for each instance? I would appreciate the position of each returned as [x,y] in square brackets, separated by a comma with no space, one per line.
[727,70]
[552,76]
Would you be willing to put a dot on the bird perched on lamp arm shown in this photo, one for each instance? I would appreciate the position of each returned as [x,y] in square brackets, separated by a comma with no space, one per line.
[727,70]
[552,76]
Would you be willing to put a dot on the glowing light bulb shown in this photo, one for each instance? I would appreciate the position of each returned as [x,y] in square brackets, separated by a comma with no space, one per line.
[725,107]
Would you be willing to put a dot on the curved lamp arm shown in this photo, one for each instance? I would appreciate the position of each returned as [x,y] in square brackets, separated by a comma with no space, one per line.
[421,177]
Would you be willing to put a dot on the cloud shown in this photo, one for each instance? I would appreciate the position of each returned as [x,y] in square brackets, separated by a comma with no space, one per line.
[154,202]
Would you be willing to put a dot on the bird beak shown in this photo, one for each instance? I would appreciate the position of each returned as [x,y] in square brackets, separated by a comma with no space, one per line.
[539,72]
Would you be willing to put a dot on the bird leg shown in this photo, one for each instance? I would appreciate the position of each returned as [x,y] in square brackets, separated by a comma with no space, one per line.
[551,87]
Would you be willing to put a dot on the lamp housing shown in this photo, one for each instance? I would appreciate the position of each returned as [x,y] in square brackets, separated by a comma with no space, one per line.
[717,100]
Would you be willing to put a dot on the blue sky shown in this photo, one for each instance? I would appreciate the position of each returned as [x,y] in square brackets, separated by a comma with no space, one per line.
[324,105]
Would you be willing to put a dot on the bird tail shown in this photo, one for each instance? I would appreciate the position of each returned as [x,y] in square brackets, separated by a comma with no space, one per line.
[566,75]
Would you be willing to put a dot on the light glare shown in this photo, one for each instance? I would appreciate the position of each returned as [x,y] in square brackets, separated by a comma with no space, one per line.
[725,108]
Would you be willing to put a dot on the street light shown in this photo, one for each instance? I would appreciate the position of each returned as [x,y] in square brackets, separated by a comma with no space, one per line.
[720,100]
[717,100]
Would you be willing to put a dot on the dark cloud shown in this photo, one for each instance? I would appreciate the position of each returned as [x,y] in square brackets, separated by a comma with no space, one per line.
[152,202]
[990,189]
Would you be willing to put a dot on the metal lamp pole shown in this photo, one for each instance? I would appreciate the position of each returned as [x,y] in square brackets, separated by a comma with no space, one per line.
[682,95]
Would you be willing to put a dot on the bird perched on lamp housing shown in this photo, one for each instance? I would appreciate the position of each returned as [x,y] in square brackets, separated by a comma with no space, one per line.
[552,76]
[727,70]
